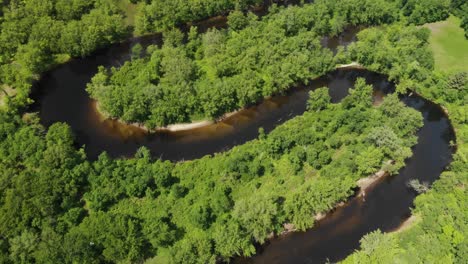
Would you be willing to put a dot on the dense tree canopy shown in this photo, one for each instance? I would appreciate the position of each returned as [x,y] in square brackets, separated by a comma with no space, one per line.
[224,70]
[171,84]
[440,233]
[35,34]
[58,207]
[460,9]
[130,210]
[403,54]
[158,15]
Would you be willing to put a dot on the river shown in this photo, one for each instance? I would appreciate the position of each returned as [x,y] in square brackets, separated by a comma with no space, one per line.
[387,203]
[60,96]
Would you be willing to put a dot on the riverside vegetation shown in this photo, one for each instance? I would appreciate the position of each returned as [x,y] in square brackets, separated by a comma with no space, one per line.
[57,206]
[441,233]
[223,70]
[191,212]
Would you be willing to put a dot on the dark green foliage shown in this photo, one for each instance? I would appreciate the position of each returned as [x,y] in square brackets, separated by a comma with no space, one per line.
[95,30]
[318,99]
[224,70]
[159,15]
[237,20]
[439,234]
[460,9]
[41,183]
[403,54]
[57,207]
[218,80]
[140,208]
[36,34]
[360,96]
[426,11]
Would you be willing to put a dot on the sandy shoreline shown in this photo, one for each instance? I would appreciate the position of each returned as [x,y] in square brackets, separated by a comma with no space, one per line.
[196,124]
[353,64]
[193,125]
[407,224]
[367,182]
[364,184]
[172,128]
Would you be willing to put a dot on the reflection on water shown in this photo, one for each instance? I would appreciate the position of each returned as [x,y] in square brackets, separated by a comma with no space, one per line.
[344,39]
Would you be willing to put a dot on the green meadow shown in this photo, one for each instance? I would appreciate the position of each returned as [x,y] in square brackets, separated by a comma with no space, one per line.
[449,45]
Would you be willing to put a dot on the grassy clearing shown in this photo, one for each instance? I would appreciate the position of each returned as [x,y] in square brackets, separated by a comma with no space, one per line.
[449,45]
[130,11]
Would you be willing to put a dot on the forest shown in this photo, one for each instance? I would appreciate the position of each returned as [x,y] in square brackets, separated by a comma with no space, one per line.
[58,206]
[221,71]
[182,212]
[440,235]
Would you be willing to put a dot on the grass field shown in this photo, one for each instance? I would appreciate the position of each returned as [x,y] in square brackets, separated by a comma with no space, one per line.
[449,45]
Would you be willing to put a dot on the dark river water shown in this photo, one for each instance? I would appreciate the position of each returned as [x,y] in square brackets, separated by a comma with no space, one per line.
[60,96]
[386,205]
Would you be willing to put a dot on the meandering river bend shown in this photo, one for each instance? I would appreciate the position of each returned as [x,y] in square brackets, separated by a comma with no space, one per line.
[60,96]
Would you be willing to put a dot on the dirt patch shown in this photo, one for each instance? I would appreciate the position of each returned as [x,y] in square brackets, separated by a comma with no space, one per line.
[6,91]
[367,182]
[436,27]
[408,223]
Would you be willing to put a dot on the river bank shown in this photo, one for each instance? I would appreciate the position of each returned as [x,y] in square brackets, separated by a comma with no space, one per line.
[335,235]
[386,205]
[364,185]
[186,127]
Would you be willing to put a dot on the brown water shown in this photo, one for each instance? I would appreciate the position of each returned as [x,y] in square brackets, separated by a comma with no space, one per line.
[60,97]
[386,205]
[65,100]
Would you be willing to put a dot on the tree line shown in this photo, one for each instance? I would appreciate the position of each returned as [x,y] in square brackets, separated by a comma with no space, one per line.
[56,206]
[204,76]
[440,233]
[37,34]
[223,70]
